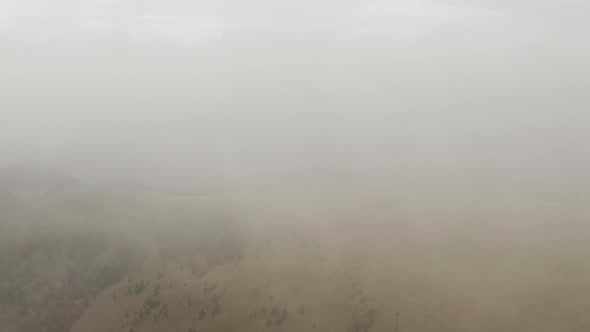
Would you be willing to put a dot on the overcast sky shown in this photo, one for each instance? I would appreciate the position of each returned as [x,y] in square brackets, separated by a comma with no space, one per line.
[174,91]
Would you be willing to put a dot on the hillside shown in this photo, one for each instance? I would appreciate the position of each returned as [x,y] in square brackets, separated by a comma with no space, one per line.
[324,257]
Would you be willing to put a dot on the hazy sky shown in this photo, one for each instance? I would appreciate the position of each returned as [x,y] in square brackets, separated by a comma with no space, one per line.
[174,91]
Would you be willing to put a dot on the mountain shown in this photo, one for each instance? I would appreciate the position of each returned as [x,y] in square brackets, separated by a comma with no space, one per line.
[122,186]
[38,182]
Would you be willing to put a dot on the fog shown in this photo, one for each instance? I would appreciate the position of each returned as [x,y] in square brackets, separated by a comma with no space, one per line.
[432,136]
[174,92]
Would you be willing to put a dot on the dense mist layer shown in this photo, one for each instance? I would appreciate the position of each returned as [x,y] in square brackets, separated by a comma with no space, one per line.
[294,165]
[182,94]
